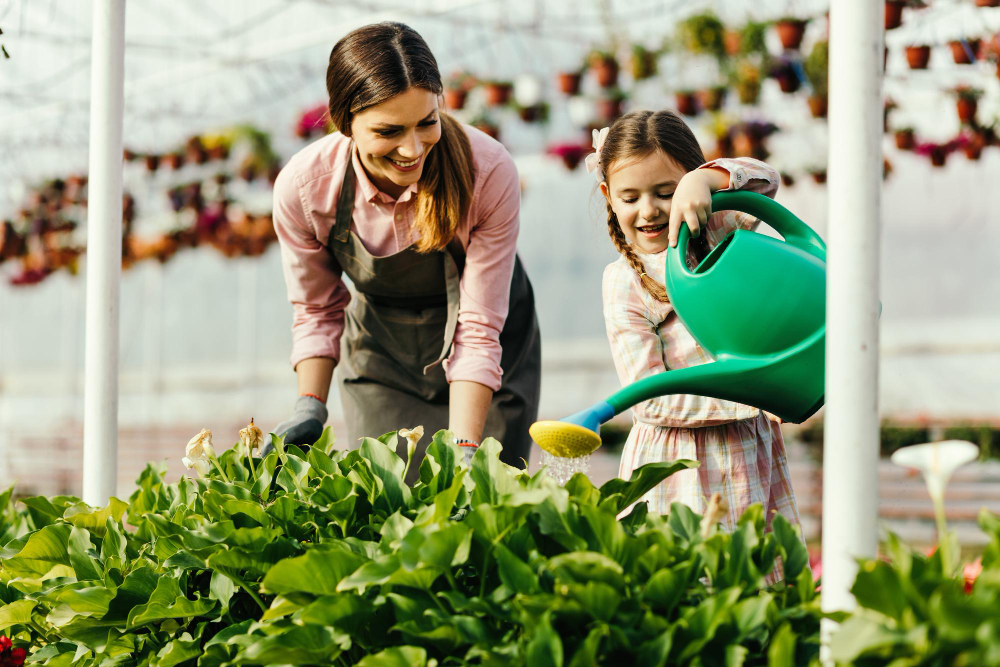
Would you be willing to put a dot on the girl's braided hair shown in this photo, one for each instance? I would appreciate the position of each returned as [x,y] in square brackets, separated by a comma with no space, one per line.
[632,137]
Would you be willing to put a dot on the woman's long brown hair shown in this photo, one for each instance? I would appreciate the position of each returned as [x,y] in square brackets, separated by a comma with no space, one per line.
[377,62]
[632,137]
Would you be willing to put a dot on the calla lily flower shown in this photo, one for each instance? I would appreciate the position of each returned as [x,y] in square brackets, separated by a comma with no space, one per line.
[937,461]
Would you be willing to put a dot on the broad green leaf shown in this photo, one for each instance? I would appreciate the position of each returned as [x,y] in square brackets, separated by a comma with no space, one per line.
[69,603]
[590,648]
[545,648]
[325,443]
[46,511]
[94,520]
[597,598]
[43,549]
[221,588]
[388,467]
[344,611]
[684,522]
[248,508]
[665,588]
[317,572]
[736,655]
[643,479]
[397,656]
[794,554]
[494,478]
[114,543]
[82,556]
[877,587]
[167,601]
[584,566]
[310,644]
[447,547]
[514,572]
[256,561]
[16,613]
[860,635]
[137,588]
[781,652]
[655,651]
[177,651]
[751,613]
[703,621]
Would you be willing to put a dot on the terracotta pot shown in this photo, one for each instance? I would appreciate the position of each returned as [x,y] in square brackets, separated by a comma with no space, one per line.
[491,130]
[788,82]
[455,99]
[687,104]
[819,176]
[938,157]
[497,94]
[712,99]
[790,33]
[817,106]
[973,151]
[787,180]
[748,92]
[218,152]
[918,56]
[606,71]
[530,114]
[893,14]
[569,82]
[960,54]
[609,109]
[571,160]
[152,162]
[905,140]
[987,3]
[966,110]
[732,41]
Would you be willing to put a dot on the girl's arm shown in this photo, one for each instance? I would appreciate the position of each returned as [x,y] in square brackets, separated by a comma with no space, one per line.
[638,351]
[744,173]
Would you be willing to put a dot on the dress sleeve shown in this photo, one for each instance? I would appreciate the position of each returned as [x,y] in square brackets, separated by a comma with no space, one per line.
[637,347]
[745,173]
[485,285]
[312,277]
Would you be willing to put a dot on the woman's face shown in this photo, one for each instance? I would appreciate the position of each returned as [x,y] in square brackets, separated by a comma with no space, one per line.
[394,138]
[640,192]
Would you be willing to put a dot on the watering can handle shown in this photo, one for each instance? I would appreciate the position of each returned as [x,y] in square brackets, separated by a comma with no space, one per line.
[765,209]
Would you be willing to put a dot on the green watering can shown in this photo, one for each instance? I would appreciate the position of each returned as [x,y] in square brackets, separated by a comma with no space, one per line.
[756,304]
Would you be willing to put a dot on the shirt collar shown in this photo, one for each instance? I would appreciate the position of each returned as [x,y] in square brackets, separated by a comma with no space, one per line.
[368,189]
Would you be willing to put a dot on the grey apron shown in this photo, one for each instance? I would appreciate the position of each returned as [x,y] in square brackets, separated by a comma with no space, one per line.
[398,329]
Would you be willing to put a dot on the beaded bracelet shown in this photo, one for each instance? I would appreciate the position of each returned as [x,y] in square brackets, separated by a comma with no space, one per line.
[313,396]
[466,443]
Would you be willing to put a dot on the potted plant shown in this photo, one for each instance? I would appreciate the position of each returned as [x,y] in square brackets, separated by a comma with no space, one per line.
[485,124]
[987,3]
[732,42]
[534,113]
[972,144]
[753,38]
[964,50]
[905,138]
[704,34]
[687,103]
[712,99]
[457,88]
[497,92]
[787,179]
[643,62]
[918,56]
[610,106]
[747,79]
[570,153]
[818,174]
[790,31]
[783,71]
[152,161]
[174,160]
[937,153]
[569,82]
[605,67]
[894,13]
[816,66]
[966,102]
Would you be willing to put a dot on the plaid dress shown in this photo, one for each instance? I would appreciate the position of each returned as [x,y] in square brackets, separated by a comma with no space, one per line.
[740,448]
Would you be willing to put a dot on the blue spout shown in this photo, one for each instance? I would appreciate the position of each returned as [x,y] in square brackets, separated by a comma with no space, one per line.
[593,416]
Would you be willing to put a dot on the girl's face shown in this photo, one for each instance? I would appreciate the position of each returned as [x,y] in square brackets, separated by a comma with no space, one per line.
[394,138]
[640,192]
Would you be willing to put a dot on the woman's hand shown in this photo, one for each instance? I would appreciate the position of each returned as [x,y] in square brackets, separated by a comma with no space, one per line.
[692,201]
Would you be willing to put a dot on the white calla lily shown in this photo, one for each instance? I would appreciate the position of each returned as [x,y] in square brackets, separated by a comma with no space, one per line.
[937,461]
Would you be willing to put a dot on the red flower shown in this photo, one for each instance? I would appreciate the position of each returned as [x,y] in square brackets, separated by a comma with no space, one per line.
[5,643]
[971,572]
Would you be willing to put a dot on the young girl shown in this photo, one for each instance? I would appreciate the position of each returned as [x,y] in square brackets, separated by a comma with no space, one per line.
[653,174]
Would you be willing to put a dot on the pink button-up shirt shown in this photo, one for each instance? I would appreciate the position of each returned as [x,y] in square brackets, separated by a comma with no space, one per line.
[305,205]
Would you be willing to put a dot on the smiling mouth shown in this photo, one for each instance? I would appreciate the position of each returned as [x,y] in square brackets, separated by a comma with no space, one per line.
[404,165]
[651,230]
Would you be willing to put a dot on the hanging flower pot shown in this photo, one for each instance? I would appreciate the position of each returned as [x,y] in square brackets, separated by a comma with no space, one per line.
[966,110]
[732,41]
[818,106]
[173,160]
[964,51]
[128,155]
[218,152]
[987,3]
[487,127]
[918,56]
[687,103]
[712,99]
[748,83]
[938,155]
[905,139]
[790,32]
[605,68]
[784,73]
[973,150]
[643,62]
[455,98]
[534,113]
[787,179]
[893,14]
[609,108]
[497,92]
[152,162]
[818,175]
[569,82]
[571,154]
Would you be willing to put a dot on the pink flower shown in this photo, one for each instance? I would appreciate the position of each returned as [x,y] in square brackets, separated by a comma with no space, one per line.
[971,572]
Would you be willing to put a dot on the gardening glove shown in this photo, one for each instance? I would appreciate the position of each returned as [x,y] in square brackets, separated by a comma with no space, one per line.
[305,426]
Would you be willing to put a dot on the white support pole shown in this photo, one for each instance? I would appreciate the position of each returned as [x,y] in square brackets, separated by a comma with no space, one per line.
[104,252]
[850,459]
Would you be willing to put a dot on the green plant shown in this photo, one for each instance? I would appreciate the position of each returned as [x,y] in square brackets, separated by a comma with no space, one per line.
[816,66]
[704,34]
[327,557]
[753,36]
[967,93]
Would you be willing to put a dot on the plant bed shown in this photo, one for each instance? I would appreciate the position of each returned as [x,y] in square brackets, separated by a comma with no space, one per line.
[326,557]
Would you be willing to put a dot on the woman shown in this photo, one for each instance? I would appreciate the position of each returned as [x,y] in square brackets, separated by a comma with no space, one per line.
[421,213]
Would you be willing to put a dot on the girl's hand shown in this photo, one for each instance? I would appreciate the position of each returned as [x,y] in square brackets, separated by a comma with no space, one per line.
[692,201]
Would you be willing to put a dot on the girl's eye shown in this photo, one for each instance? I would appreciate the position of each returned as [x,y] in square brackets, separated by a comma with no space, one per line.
[630,200]
[429,123]
[385,133]
[668,195]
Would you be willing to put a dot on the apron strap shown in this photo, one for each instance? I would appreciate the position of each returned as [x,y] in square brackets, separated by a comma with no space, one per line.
[345,204]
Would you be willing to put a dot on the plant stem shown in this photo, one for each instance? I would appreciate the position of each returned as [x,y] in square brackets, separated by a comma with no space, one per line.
[218,466]
[253,471]
[242,584]
[942,535]
[40,630]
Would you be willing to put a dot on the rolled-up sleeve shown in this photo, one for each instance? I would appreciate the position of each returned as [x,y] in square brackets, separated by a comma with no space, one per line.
[313,279]
[485,284]
[745,173]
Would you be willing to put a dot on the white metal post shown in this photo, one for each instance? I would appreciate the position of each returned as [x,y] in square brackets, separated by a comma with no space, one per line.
[104,252]
[850,459]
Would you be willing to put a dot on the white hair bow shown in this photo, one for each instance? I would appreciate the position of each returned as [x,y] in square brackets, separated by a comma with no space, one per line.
[593,161]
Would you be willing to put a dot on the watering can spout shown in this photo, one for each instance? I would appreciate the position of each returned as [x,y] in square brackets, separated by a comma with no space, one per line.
[756,304]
